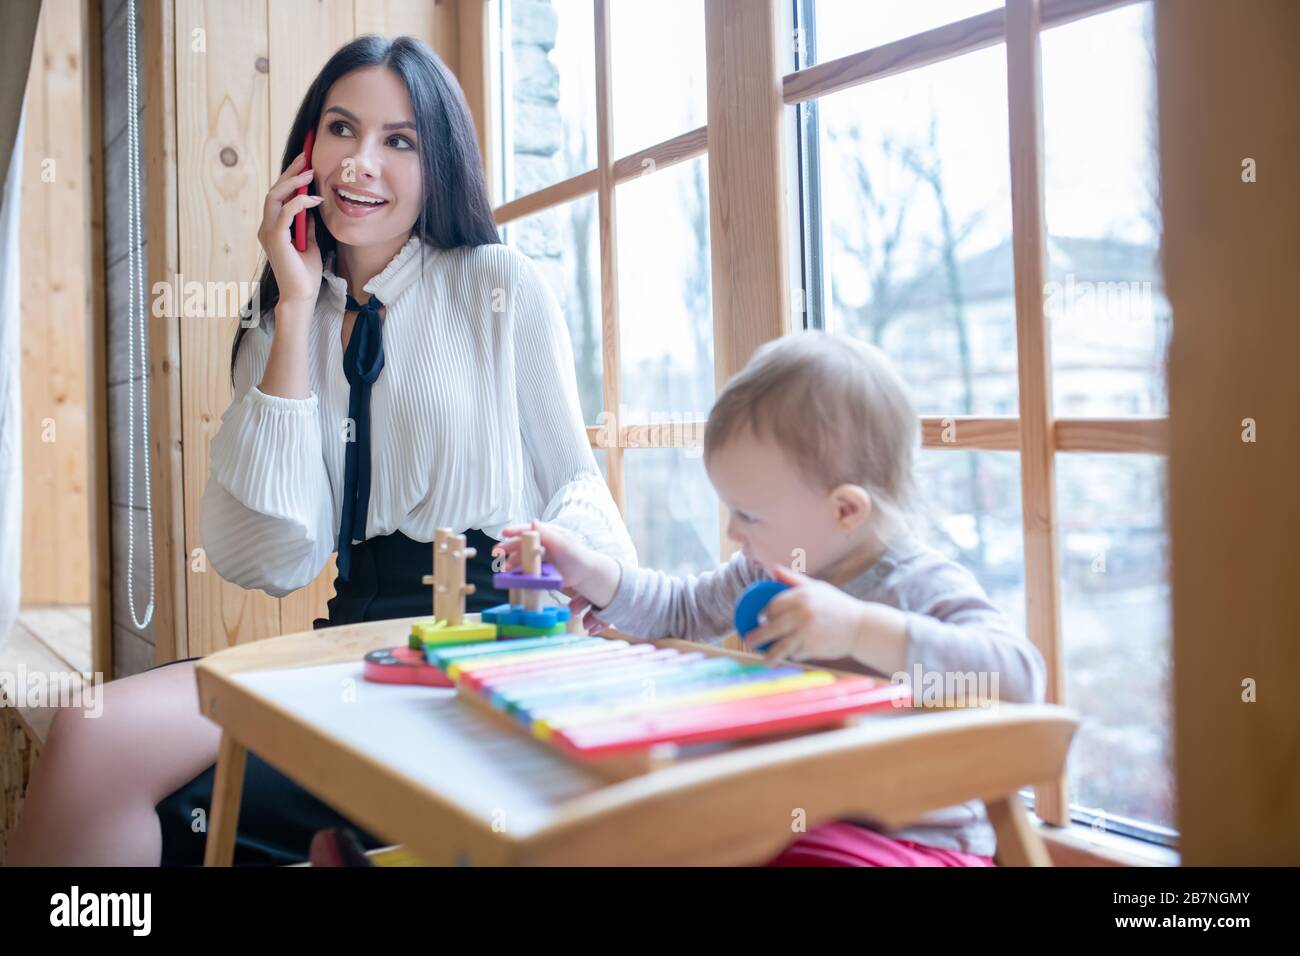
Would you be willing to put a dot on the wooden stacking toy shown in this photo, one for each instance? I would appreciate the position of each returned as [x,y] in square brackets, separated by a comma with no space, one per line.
[447,627]
[524,616]
[449,592]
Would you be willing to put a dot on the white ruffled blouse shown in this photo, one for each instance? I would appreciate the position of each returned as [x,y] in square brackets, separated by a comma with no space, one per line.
[474,423]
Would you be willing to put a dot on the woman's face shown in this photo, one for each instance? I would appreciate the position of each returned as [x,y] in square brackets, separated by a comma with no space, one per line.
[366,147]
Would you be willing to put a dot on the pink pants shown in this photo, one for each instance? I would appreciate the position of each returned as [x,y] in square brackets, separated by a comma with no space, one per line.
[840,843]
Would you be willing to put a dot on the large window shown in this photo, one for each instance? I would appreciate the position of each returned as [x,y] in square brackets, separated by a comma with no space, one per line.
[906,239]
[545,77]
[946,159]
[1105,299]
[916,226]
[627,256]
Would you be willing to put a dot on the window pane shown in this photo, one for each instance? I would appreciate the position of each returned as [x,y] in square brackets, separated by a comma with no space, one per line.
[915,221]
[972,514]
[1104,297]
[665,311]
[1116,631]
[564,243]
[672,509]
[842,27]
[545,84]
[657,57]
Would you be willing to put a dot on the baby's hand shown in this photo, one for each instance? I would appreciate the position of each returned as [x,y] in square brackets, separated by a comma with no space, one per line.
[813,620]
[588,575]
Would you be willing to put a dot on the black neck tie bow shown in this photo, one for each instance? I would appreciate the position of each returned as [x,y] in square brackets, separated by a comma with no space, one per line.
[362,363]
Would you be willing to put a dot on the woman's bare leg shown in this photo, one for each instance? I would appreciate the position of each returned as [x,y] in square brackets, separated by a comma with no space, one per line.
[91,798]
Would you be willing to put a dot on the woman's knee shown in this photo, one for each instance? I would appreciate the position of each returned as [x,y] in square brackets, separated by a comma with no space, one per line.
[147,735]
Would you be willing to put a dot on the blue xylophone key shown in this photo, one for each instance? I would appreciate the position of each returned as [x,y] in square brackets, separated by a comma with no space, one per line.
[663,686]
[630,676]
[610,708]
[560,666]
[667,684]
[502,689]
[623,683]
[619,671]
[623,672]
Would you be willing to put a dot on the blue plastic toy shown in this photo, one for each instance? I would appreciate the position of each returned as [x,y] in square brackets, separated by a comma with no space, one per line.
[506,615]
[751,605]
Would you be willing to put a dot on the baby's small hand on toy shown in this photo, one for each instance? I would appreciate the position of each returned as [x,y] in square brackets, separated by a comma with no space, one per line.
[583,570]
[557,549]
[812,619]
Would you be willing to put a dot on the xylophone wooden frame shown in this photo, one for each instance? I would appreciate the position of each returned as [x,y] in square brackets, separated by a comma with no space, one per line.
[718,809]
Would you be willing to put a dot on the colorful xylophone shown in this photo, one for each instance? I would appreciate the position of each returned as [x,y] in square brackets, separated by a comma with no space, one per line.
[595,698]
[602,701]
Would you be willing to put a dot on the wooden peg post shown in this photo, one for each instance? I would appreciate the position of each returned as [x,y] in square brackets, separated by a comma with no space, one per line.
[530,562]
[457,589]
[441,547]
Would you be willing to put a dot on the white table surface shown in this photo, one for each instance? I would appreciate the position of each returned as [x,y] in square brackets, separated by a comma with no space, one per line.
[431,737]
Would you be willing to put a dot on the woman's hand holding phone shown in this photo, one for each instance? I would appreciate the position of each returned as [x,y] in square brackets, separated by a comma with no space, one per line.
[298,274]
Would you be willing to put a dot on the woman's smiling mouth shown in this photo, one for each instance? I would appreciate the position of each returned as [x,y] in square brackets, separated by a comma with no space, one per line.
[357,202]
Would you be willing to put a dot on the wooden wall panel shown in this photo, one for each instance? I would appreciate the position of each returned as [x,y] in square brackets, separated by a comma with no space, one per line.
[1227,76]
[302,34]
[434,21]
[222,126]
[56,527]
[38,585]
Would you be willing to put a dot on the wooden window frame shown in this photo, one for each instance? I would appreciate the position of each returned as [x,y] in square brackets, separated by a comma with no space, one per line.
[742,119]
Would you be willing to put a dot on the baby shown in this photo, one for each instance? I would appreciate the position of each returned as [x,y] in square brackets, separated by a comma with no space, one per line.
[812,447]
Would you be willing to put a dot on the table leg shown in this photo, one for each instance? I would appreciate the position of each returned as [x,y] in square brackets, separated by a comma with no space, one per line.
[1018,843]
[226,791]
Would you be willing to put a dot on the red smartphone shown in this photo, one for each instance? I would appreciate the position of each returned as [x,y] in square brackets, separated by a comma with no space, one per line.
[300,220]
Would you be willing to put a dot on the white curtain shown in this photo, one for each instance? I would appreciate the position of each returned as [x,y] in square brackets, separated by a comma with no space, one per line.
[11,396]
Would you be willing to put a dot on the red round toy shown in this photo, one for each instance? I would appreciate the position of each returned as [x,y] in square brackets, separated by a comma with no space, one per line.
[402,665]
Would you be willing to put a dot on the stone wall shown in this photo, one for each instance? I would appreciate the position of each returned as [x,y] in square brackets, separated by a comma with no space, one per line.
[537,130]
[133,648]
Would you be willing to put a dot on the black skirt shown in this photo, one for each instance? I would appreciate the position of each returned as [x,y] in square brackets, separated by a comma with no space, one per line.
[277,818]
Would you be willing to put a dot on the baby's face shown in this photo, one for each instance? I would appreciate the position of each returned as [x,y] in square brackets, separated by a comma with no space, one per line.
[776,515]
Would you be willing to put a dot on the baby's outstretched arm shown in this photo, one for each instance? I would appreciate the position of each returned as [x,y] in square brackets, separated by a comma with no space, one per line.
[641,601]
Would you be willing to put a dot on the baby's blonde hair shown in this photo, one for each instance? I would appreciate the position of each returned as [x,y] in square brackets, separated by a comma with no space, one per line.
[838,408]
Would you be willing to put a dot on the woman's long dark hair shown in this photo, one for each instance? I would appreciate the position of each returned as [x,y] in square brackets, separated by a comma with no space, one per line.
[456,210]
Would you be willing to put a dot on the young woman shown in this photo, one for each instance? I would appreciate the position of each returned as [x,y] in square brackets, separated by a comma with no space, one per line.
[406,372]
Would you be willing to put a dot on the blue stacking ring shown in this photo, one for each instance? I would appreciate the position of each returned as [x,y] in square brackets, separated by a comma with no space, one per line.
[752,603]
